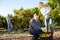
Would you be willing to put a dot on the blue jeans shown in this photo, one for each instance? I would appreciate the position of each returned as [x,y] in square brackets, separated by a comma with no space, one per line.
[9,26]
[35,33]
[48,20]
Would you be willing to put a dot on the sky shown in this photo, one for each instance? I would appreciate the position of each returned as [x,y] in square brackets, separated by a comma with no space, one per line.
[7,6]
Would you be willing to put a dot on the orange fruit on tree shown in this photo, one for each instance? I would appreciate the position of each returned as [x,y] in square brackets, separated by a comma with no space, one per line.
[59,14]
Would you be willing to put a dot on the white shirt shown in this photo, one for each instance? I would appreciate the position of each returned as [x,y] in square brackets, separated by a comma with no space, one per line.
[8,18]
[45,11]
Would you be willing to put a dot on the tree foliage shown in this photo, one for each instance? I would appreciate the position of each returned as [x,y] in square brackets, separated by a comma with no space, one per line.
[23,16]
[55,11]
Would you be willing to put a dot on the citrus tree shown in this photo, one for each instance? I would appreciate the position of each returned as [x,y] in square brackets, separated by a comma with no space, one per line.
[55,11]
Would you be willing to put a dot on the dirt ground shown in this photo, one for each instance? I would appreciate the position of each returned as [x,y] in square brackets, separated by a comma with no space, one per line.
[56,35]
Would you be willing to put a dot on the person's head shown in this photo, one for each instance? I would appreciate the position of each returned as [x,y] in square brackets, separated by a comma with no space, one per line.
[36,17]
[8,15]
[41,4]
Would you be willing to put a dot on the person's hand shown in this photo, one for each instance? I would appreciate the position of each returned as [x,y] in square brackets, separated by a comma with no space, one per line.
[44,29]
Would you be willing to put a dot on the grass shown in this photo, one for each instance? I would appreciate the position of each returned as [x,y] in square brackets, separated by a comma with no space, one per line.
[57,27]
[19,31]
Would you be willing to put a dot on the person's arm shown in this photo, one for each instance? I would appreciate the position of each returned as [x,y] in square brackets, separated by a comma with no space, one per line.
[46,10]
[43,12]
[34,25]
[40,23]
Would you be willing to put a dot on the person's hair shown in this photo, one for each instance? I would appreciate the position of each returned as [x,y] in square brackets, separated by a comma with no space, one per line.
[40,2]
[36,14]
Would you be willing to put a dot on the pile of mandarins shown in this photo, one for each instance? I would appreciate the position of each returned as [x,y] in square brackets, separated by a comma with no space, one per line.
[45,35]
